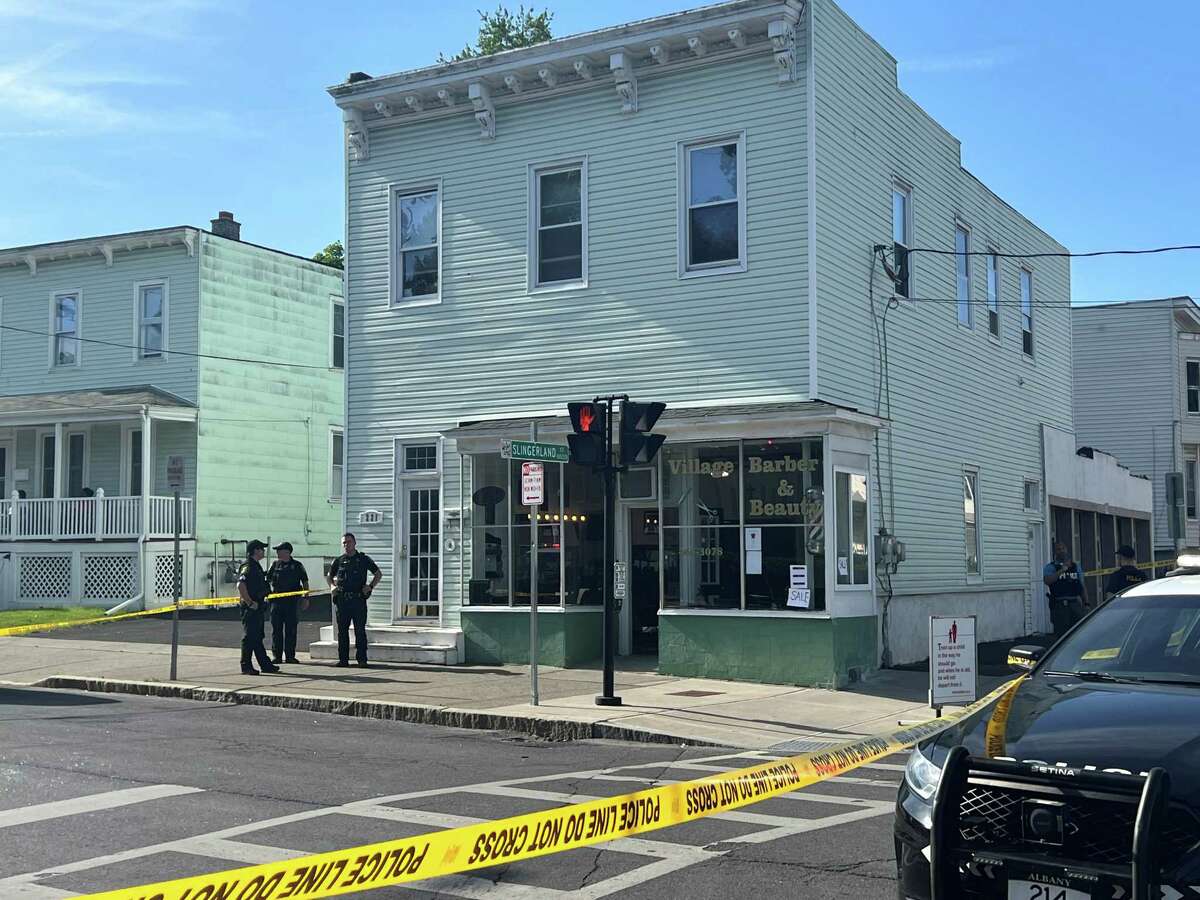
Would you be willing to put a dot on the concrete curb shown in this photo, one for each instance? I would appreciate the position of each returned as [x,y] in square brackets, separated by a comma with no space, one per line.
[544,727]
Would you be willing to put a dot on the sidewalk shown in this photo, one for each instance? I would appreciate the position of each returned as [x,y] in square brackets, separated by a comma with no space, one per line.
[656,707]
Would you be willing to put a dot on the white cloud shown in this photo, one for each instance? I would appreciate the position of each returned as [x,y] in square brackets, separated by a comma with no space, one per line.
[159,19]
[976,61]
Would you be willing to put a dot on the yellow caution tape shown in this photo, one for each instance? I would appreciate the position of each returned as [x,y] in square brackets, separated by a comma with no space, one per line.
[1106,653]
[536,834]
[198,602]
[995,739]
[1161,564]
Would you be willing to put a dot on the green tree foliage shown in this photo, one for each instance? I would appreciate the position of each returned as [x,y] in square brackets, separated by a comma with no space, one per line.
[332,255]
[504,30]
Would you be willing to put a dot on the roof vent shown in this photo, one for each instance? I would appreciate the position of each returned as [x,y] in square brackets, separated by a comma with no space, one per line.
[355,77]
[225,226]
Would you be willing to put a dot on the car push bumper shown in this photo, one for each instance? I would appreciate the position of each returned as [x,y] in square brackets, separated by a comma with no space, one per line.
[998,830]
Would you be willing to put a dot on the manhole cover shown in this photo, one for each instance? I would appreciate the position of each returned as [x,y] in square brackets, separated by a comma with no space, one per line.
[697,693]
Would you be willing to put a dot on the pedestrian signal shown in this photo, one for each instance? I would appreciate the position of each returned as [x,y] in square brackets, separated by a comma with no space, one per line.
[590,424]
[638,447]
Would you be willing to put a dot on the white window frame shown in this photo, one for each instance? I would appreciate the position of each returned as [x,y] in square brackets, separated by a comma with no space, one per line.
[77,293]
[335,431]
[1191,482]
[85,474]
[396,192]
[1037,487]
[536,170]
[973,472]
[139,355]
[36,483]
[962,303]
[831,540]
[993,299]
[901,186]
[1021,289]
[127,487]
[1187,388]
[400,475]
[683,233]
[336,300]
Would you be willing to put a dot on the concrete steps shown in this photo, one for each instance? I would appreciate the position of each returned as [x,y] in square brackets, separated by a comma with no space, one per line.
[399,643]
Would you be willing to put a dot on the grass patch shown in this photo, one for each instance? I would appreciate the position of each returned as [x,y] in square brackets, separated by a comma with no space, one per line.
[14,618]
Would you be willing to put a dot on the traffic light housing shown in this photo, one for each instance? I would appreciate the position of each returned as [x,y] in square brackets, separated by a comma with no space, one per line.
[638,446]
[590,423]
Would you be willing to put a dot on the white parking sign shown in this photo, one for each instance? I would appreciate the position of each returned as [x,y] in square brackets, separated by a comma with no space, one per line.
[533,484]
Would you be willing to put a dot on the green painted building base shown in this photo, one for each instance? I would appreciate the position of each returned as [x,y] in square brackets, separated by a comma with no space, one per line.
[830,653]
[499,636]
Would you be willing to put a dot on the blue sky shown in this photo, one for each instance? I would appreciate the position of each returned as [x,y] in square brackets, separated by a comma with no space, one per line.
[117,115]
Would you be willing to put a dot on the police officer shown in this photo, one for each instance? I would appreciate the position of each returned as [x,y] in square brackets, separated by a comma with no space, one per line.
[348,578]
[253,588]
[286,575]
[1068,593]
[1127,575]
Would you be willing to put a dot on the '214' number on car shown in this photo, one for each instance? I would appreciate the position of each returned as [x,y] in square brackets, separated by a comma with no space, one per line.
[1031,890]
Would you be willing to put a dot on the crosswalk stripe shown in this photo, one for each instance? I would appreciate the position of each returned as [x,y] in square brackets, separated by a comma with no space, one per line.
[24,815]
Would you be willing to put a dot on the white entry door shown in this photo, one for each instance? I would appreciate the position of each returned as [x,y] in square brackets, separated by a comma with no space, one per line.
[1039,609]
[418,554]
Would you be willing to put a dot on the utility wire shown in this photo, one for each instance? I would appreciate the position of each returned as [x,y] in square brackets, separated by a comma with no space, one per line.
[1056,254]
[1110,306]
[165,351]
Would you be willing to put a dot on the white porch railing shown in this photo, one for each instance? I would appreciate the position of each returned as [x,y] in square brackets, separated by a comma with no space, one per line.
[92,518]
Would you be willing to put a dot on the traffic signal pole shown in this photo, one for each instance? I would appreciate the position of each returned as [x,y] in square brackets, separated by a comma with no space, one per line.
[607,697]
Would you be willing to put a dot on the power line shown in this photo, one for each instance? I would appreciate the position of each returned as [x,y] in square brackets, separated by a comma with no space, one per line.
[1110,306]
[1056,254]
[165,351]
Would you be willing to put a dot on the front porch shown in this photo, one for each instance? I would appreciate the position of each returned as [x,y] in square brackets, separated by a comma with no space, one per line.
[96,518]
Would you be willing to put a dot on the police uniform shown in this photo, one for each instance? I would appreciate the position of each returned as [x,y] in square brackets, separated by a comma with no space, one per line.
[1066,595]
[285,577]
[251,574]
[1124,577]
[349,574]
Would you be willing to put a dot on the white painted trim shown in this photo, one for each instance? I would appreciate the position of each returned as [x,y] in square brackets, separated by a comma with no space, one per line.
[336,300]
[868,585]
[905,187]
[397,190]
[811,114]
[993,257]
[54,295]
[976,577]
[334,430]
[1187,360]
[749,613]
[85,475]
[398,523]
[533,216]
[960,225]
[9,445]
[165,283]
[682,241]
[1025,269]
[128,430]
[39,461]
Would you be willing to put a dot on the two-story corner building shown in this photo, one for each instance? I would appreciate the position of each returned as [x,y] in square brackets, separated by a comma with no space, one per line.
[703,209]
[1137,395]
[121,351]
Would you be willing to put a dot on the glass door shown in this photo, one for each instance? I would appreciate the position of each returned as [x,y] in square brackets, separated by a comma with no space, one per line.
[419,557]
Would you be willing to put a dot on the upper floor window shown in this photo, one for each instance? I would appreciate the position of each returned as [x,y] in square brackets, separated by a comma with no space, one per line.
[902,227]
[152,319]
[962,268]
[1193,386]
[713,208]
[337,462]
[559,225]
[416,236]
[993,293]
[1027,312]
[65,313]
[338,347]
[971,521]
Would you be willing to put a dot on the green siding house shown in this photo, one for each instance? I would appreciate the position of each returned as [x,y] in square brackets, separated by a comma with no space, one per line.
[120,351]
[737,211]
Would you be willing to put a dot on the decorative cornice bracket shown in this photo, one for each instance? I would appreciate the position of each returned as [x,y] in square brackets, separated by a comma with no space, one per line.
[485,110]
[413,102]
[660,53]
[31,261]
[446,97]
[383,108]
[697,45]
[549,76]
[737,36]
[513,83]
[583,69]
[189,239]
[621,64]
[107,250]
[782,33]
[356,133]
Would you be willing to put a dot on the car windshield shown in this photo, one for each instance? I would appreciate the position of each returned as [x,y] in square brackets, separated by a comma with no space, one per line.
[1135,638]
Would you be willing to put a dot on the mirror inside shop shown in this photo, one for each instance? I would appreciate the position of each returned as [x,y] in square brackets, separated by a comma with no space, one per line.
[722,525]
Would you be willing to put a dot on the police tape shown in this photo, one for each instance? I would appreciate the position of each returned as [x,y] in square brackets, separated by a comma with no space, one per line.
[196,603]
[1161,564]
[537,834]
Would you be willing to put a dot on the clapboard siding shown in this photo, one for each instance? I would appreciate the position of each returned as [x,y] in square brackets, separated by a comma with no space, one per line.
[1125,390]
[263,446]
[491,348]
[108,311]
[958,398]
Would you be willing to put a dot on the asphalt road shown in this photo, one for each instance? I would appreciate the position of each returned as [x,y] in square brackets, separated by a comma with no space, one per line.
[100,792]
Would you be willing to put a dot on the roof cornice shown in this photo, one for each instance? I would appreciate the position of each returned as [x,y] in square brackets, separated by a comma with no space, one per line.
[105,246]
[616,57]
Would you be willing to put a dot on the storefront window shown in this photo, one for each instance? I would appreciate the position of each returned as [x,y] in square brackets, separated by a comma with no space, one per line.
[853,527]
[549,538]
[702,562]
[490,534]
[583,537]
[784,507]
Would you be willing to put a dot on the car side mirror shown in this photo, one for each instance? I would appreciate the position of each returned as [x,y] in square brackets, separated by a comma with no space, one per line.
[1024,657]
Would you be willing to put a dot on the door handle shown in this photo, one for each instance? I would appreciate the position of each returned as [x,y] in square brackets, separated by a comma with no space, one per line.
[403,554]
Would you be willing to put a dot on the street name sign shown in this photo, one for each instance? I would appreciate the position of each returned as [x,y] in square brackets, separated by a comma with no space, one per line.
[534,451]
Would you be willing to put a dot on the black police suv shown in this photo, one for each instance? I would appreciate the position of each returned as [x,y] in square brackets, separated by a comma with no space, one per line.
[1083,781]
